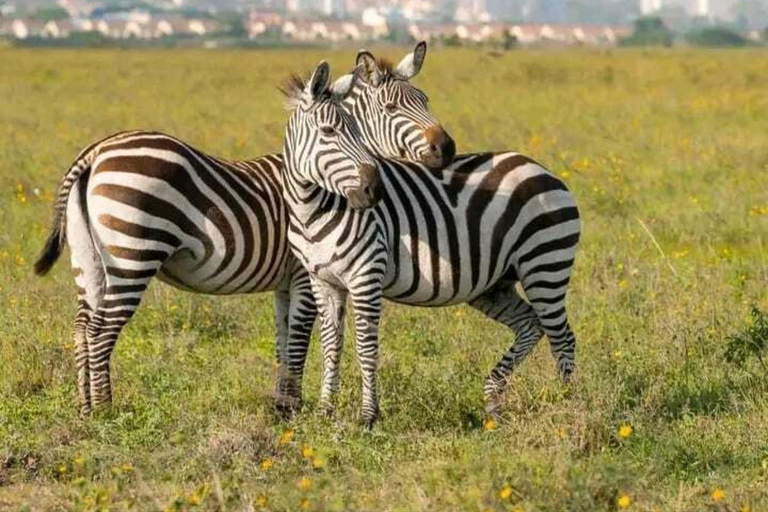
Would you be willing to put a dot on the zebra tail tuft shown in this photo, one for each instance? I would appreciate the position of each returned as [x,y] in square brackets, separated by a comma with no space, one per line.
[57,238]
[51,251]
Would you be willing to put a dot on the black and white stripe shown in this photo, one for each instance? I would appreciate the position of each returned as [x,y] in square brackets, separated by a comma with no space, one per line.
[466,233]
[139,205]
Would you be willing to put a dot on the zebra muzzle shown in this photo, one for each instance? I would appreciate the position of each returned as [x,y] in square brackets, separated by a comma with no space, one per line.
[370,190]
[440,150]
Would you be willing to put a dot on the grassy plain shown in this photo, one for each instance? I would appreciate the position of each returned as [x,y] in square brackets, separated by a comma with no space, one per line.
[659,147]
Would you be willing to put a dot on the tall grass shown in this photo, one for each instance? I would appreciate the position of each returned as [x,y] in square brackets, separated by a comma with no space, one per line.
[666,153]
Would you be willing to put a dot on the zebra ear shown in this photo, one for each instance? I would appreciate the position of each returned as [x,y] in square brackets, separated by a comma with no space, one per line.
[370,69]
[411,64]
[318,83]
[344,84]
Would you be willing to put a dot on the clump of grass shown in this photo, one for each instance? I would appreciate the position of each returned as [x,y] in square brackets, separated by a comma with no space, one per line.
[752,341]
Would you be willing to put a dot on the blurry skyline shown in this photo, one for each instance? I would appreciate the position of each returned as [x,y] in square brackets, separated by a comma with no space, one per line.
[746,12]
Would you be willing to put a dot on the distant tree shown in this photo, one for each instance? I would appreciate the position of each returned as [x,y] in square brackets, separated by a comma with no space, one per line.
[649,31]
[452,40]
[716,37]
[50,14]
[235,23]
[510,41]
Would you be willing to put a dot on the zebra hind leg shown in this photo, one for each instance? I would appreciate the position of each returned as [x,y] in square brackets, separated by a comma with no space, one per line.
[549,305]
[82,318]
[123,294]
[503,304]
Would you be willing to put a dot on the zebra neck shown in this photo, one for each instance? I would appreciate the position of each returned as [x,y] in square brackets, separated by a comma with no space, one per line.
[308,203]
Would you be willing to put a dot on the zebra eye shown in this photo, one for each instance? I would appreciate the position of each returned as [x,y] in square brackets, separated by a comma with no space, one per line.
[328,131]
[391,108]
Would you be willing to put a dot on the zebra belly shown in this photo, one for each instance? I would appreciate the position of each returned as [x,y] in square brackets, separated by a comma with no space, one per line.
[181,271]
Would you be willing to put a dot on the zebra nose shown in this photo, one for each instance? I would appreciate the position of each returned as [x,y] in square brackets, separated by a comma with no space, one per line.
[370,190]
[440,147]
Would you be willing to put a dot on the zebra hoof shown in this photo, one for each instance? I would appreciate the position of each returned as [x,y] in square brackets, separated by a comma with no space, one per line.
[566,376]
[370,418]
[287,406]
[494,404]
[327,410]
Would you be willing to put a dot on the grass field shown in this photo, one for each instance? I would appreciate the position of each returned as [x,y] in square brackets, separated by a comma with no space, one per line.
[667,155]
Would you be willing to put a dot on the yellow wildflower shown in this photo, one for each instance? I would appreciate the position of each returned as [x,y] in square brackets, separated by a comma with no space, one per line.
[307,452]
[267,464]
[506,492]
[304,484]
[624,501]
[304,504]
[262,501]
[193,499]
[718,494]
[625,431]
[78,461]
[127,467]
[286,437]
[318,463]
[490,424]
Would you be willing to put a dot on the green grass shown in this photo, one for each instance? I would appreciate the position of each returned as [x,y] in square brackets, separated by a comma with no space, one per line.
[660,147]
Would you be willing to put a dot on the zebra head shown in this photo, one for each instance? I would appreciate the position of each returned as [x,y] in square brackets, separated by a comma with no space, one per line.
[323,145]
[393,115]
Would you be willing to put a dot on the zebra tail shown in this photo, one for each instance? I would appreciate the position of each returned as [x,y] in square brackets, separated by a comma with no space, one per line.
[54,245]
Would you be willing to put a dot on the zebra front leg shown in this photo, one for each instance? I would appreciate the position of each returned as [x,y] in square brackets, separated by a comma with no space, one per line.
[331,302]
[284,388]
[504,305]
[296,313]
[367,315]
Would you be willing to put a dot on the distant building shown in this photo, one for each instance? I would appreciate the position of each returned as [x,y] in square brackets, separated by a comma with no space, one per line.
[77,8]
[702,8]
[326,31]
[649,6]
[7,9]
[260,22]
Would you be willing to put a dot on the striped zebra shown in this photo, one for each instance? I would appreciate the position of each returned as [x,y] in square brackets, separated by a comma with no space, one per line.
[139,205]
[368,228]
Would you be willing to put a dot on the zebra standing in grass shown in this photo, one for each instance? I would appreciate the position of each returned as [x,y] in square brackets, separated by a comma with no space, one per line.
[370,228]
[139,205]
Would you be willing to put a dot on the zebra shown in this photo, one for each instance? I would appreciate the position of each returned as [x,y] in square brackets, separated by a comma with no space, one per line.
[368,228]
[138,205]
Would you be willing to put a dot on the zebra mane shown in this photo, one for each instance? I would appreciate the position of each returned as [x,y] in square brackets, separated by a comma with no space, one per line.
[385,65]
[293,89]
